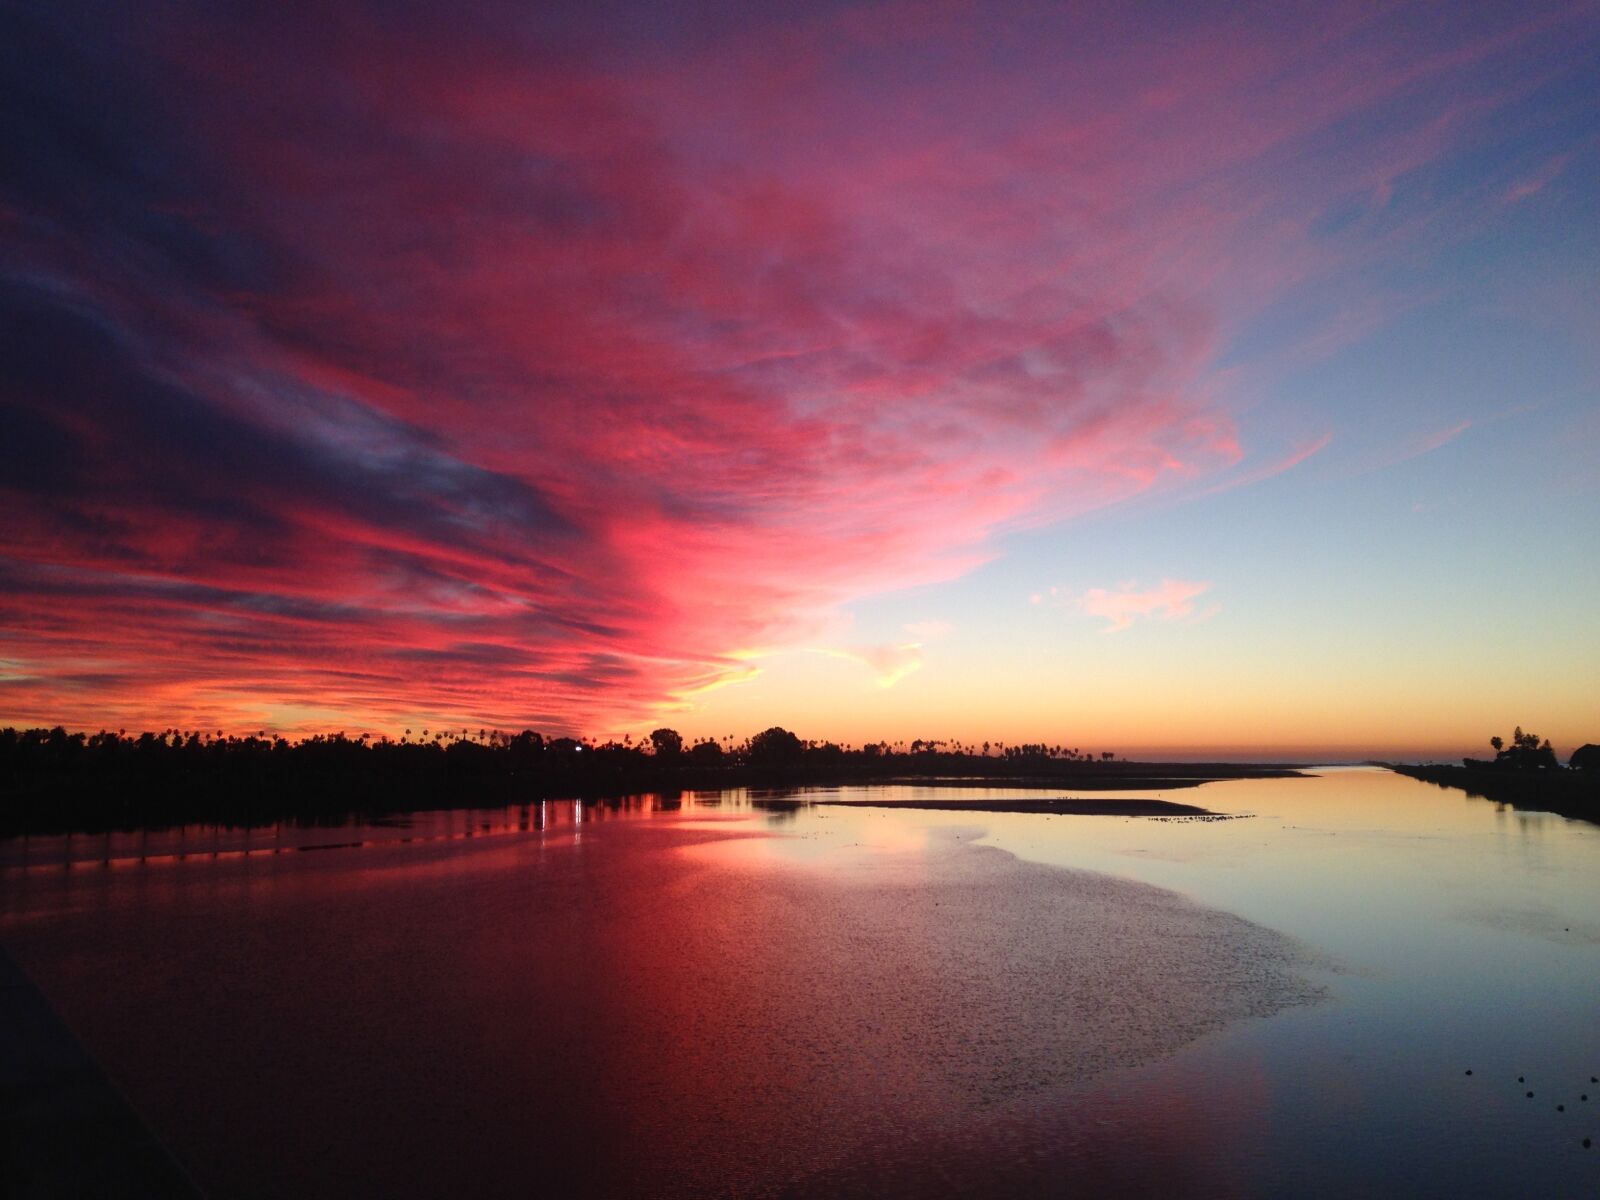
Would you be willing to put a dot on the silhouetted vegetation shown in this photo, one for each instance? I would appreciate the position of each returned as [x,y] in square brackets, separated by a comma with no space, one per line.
[666,743]
[1525,774]
[774,746]
[53,780]
[1525,753]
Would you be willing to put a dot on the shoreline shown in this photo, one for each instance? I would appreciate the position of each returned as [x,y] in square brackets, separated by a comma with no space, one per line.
[59,783]
[1566,793]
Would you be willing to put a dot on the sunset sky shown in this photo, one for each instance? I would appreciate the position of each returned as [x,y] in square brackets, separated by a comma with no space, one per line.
[1160,378]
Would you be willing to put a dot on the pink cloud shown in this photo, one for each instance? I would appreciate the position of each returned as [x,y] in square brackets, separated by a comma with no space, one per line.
[1441,437]
[1535,183]
[491,373]
[1170,600]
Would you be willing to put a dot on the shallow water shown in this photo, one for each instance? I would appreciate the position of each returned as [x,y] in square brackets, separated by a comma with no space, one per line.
[709,997]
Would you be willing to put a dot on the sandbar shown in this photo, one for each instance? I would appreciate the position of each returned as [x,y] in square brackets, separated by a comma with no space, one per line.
[1132,806]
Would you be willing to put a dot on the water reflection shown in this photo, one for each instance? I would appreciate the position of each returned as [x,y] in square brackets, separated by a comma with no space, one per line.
[194,843]
[745,994]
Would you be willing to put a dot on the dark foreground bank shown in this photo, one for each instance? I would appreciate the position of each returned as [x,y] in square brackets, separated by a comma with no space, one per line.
[52,781]
[1568,793]
[66,1129]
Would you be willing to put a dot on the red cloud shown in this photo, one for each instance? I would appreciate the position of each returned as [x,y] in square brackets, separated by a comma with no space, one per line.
[495,374]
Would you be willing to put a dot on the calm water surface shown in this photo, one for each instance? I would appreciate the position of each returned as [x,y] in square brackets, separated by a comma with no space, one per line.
[714,996]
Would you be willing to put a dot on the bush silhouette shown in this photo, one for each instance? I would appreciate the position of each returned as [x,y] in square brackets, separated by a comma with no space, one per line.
[774,746]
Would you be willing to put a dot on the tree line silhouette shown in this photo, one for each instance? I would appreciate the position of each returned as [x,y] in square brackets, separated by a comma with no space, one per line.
[53,780]
[1525,753]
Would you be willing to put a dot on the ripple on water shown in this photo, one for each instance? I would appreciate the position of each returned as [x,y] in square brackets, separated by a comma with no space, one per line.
[926,989]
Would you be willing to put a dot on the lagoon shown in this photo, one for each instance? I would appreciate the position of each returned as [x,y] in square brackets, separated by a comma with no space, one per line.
[748,994]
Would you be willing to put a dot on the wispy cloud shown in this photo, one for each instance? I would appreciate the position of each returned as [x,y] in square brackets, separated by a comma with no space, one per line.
[889,664]
[1428,443]
[1533,184]
[1274,468]
[1421,444]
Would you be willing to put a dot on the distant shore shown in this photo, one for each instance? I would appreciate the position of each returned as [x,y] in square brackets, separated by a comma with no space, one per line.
[52,781]
[1567,793]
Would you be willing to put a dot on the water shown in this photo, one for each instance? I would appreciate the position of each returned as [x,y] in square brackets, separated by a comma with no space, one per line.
[709,997]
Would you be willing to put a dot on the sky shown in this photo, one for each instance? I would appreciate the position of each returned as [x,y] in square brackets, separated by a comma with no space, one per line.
[1173,379]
